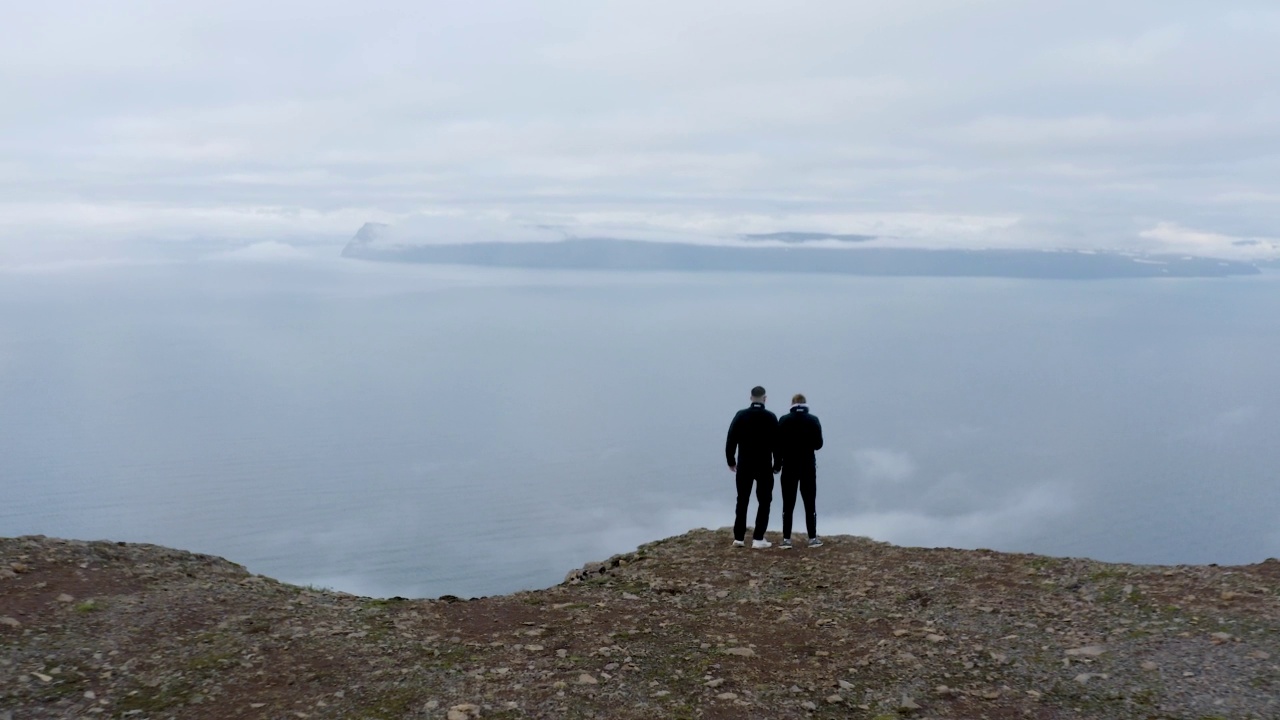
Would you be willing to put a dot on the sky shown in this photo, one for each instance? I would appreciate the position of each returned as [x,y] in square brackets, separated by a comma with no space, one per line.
[1149,125]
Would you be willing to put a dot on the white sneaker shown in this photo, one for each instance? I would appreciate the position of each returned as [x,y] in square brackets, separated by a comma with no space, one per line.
[739,543]
[785,544]
[761,544]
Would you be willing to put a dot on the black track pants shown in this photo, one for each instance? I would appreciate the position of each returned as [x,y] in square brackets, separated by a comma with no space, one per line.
[762,478]
[807,482]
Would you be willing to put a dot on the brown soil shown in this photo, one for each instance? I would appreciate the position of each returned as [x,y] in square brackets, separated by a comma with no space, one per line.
[686,627]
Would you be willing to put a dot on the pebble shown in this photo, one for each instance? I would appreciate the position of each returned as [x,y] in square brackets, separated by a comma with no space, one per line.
[586,679]
[834,699]
[809,705]
[715,683]
[1087,651]
[10,622]
[464,711]
[740,651]
[727,696]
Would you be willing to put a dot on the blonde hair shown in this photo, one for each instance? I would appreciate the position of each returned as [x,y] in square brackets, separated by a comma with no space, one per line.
[797,399]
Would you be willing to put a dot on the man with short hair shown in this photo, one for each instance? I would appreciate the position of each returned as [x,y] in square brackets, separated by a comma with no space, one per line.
[799,435]
[750,451]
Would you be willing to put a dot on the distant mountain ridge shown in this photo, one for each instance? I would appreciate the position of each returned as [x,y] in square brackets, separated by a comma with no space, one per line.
[374,242]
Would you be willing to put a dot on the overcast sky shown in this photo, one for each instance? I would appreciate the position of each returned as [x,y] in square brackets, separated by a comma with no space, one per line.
[1035,122]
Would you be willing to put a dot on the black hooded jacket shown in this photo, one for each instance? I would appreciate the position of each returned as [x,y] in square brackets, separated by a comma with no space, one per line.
[753,435]
[799,434]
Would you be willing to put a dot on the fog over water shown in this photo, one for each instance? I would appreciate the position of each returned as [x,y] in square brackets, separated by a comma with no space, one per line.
[423,430]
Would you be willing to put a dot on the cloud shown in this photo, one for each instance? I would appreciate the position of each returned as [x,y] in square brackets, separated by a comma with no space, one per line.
[1001,523]
[269,251]
[259,122]
[1225,427]
[879,465]
[1173,238]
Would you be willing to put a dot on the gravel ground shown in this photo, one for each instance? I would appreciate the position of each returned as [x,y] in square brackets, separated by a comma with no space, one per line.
[686,627]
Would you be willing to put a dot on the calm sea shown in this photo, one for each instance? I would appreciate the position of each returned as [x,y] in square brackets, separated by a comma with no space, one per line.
[417,431]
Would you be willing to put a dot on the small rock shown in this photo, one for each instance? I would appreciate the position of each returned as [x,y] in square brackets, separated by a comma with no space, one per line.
[934,638]
[42,677]
[431,705]
[1083,678]
[908,703]
[740,651]
[630,596]
[65,598]
[809,705]
[1087,651]
[464,711]
[10,622]
[534,648]
[587,679]
[833,699]
[942,690]
[1259,655]
[714,683]
[727,696]
[18,567]
[255,706]
[661,693]
[900,633]
[845,685]
[1221,637]
[1149,665]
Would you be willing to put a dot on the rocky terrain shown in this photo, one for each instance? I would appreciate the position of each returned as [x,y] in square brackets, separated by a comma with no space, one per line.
[686,627]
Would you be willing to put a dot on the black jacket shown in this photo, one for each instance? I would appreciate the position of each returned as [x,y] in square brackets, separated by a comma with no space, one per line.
[753,435]
[799,434]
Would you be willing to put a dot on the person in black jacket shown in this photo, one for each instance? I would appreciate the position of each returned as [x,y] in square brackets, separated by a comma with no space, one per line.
[752,439]
[799,435]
